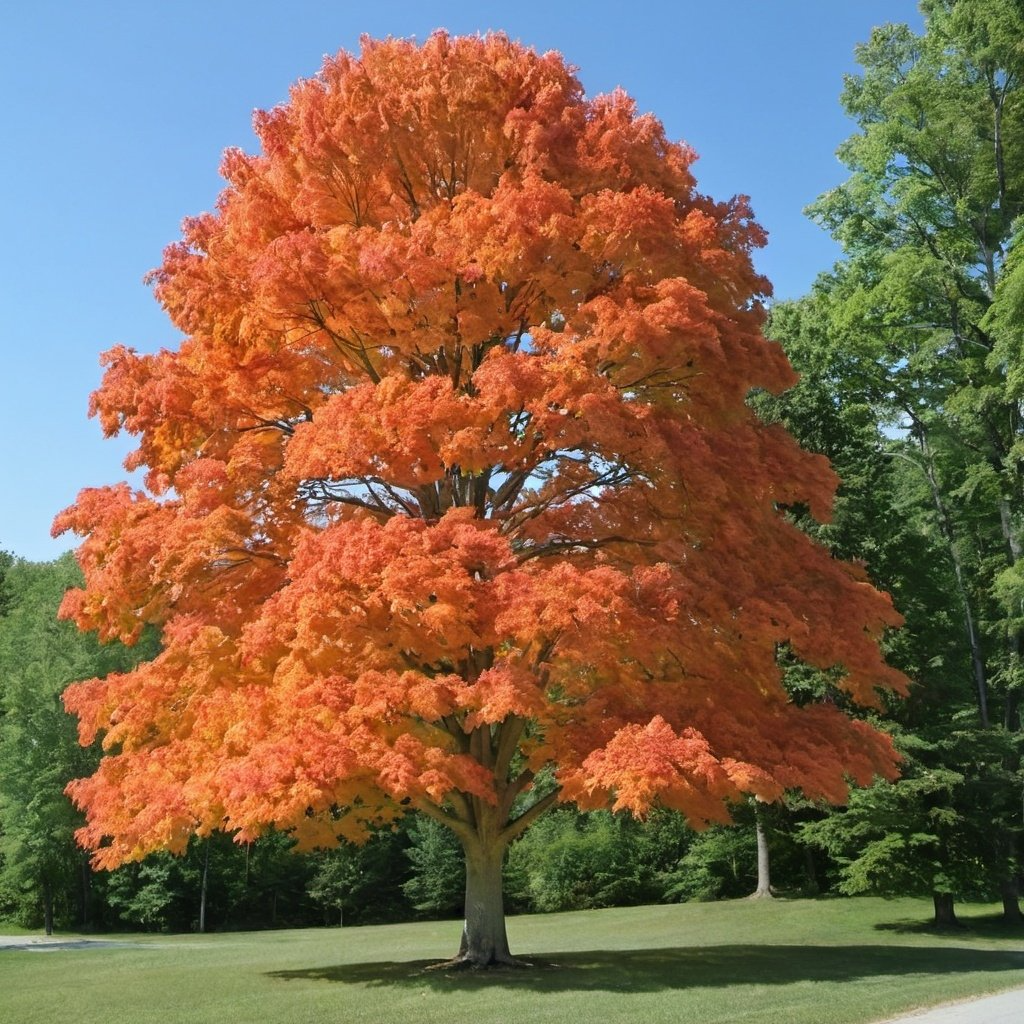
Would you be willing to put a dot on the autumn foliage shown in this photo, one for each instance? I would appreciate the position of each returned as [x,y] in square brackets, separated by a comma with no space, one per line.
[452,485]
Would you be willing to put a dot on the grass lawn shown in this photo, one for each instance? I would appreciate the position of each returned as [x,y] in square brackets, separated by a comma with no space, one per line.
[834,961]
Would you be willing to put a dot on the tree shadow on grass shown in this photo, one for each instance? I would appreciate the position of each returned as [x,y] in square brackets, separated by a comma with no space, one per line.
[652,970]
[990,926]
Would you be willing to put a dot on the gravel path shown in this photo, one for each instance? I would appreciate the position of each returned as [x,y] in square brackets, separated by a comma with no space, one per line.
[1005,1008]
[44,944]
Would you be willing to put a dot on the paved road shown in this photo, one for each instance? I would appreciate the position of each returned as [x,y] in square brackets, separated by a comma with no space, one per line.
[1005,1008]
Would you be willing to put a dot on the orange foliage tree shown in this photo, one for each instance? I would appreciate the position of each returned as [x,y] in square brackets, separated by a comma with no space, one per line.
[453,499]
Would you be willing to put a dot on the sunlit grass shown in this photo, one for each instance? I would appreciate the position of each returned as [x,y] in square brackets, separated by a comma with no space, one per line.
[784,962]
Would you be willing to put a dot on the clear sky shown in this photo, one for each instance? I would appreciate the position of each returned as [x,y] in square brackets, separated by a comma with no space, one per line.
[114,116]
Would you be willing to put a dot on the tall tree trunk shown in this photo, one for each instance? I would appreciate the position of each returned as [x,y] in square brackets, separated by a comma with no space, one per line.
[945,916]
[1011,712]
[811,872]
[202,888]
[484,940]
[1010,893]
[85,877]
[998,97]
[948,532]
[47,907]
[764,874]
[1009,884]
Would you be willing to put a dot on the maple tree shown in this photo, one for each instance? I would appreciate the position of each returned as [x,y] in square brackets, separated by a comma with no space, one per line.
[453,501]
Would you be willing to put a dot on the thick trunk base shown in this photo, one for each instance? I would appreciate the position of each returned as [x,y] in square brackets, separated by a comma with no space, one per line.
[945,916]
[1011,913]
[1011,905]
[460,964]
[1009,885]
[484,939]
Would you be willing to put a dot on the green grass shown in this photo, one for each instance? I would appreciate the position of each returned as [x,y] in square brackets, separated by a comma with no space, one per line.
[779,962]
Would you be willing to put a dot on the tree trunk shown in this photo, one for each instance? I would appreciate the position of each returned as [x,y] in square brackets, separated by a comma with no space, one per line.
[484,941]
[949,533]
[764,875]
[1009,883]
[47,908]
[202,888]
[85,877]
[485,830]
[1010,892]
[811,872]
[945,917]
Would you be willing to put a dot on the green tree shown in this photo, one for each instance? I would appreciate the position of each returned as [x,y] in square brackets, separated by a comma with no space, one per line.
[575,861]
[364,883]
[203,889]
[338,879]
[44,877]
[437,882]
[924,836]
[6,561]
[914,330]
[887,516]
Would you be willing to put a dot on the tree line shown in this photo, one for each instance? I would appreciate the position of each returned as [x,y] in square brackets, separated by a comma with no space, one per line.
[909,354]
[910,351]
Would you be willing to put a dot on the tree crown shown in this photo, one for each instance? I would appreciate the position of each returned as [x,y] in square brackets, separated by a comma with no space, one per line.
[453,482]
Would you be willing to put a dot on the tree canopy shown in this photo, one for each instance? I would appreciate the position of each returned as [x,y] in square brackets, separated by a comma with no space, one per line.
[453,497]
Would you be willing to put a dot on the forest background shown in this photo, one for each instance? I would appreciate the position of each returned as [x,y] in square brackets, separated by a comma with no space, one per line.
[909,350]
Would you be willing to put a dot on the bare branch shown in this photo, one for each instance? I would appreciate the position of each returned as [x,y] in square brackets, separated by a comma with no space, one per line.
[569,544]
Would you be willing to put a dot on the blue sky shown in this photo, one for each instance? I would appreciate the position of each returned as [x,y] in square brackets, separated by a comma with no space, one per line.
[115,115]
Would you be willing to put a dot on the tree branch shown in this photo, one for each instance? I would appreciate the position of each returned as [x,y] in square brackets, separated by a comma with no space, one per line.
[519,825]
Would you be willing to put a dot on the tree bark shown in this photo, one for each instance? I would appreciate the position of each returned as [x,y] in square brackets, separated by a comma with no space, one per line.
[811,872]
[484,940]
[1010,892]
[764,875]
[945,916]
[202,888]
[85,876]
[1009,884]
[47,908]
[485,830]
